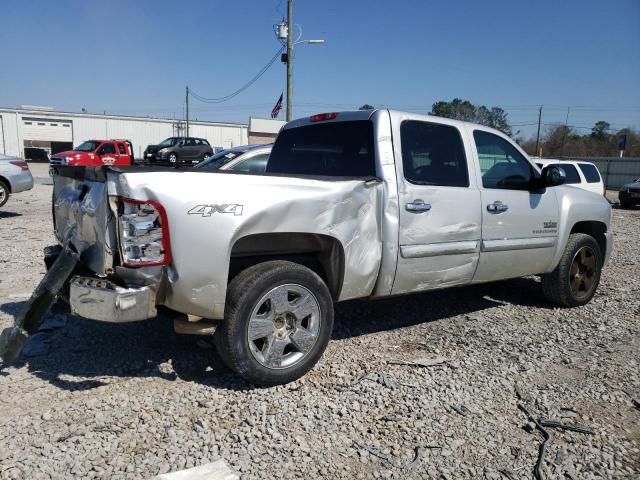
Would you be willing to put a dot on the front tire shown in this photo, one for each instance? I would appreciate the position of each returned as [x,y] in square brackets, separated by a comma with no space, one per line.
[574,281]
[4,193]
[278,320]
[173,158]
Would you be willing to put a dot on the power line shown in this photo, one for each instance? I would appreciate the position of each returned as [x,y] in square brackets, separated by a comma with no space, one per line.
[241,89]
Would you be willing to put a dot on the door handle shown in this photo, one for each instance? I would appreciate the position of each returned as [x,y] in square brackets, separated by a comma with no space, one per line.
[497,207]
[417,206]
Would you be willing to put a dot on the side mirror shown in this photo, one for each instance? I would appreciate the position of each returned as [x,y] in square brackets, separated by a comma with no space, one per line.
[553,175]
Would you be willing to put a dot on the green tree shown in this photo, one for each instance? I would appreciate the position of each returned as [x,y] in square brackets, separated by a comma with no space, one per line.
[458,109]
[563,140]
[366,106]
[600,129]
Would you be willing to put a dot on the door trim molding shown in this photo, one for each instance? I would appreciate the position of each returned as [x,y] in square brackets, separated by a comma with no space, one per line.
[435,249]
[503,244]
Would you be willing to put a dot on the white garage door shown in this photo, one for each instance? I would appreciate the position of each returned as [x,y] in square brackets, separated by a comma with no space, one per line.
[46,129]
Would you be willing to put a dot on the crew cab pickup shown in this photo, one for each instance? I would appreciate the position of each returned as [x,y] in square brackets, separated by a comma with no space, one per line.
[95,153]
[361,204]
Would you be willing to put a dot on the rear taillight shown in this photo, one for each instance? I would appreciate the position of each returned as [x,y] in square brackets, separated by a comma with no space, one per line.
[321,117]
[144,233]
[20,163]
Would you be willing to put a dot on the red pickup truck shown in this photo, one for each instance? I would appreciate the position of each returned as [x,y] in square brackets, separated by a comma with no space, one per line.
[95,153]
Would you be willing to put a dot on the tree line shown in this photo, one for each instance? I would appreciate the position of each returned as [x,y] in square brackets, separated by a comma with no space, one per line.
[555,140]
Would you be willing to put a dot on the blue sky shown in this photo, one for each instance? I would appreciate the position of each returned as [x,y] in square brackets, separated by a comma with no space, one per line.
[135,57]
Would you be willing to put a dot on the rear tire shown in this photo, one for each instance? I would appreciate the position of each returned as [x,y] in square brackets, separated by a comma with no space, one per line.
[278,320]
[4,193]
[575,279]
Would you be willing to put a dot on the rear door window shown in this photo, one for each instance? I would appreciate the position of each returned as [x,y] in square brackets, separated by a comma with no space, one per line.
[572,174]
[339,149]
[121,149]
[433,154]
[590,172]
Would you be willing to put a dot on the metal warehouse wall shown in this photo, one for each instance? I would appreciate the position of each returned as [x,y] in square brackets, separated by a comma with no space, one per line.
[141,131]
[615,171]
[11,141]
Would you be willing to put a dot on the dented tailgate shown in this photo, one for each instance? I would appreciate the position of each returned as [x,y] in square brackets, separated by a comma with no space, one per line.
[82,216]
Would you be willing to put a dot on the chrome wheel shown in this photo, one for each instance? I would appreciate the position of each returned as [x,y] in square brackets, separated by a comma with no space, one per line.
[206,157]
[284,326]
[582,275]
[3,194]
[173,158]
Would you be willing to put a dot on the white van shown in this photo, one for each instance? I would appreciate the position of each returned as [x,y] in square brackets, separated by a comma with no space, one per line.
[580,174]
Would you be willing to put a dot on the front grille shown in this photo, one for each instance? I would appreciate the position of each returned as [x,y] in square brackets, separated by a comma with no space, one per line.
[634,190]
[57,161]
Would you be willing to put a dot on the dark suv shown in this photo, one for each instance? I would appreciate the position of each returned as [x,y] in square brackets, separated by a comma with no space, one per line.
[179,150]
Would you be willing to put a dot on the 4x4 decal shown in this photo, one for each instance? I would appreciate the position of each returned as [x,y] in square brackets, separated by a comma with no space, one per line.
[208,210]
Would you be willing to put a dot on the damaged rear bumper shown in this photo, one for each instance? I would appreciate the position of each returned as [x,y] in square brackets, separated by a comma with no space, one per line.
[103,300]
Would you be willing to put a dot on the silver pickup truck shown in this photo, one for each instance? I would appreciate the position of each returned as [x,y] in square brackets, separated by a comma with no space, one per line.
[352,205]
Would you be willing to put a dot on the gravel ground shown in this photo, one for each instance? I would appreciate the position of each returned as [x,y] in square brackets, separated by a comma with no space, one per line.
[130,401]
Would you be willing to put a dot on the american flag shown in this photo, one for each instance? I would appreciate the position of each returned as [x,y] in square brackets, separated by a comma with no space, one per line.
[277,107]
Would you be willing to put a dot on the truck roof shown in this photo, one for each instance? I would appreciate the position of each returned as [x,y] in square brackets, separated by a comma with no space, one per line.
[355,115]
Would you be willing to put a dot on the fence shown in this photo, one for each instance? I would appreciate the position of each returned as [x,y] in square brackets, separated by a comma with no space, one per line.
[615,171]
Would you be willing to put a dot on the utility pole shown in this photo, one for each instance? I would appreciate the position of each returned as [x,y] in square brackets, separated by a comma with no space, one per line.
[289,60]
[538,136]
[187,111]
[566,131]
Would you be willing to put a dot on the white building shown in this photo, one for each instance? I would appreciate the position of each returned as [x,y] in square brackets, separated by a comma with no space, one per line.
[264,130]
[54,131]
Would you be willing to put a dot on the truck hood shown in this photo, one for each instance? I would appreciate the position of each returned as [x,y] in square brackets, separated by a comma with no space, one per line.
[155,148]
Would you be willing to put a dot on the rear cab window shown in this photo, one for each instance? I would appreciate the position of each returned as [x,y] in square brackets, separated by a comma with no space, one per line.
[121,149]
[590,172]
[337,149]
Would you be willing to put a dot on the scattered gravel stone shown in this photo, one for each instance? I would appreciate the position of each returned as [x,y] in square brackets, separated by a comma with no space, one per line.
[135,401]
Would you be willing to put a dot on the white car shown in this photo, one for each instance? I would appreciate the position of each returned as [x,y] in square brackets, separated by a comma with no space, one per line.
[14,177]
[580,174]
[247,158]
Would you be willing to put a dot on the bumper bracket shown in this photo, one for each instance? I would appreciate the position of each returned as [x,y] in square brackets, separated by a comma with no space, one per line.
[28,320]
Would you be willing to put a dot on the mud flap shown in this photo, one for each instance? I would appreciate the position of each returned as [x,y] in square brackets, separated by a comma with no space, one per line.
[33,312]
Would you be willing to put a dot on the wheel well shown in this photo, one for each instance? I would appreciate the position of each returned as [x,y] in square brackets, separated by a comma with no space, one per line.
[320,253]
[594,229]
[6,182]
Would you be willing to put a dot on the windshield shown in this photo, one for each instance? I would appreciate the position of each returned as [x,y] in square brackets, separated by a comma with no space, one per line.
[219,159]
[168,142]
[88,146]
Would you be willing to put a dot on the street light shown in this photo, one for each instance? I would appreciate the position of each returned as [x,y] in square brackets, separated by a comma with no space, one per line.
[284,32]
